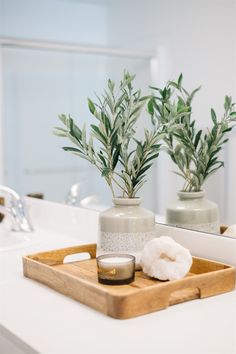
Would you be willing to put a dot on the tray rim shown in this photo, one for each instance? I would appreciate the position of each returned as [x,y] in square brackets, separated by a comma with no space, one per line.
[106,288]
[94,245]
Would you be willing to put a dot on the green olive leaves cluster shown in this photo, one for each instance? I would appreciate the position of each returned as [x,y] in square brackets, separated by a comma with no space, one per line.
[122,159]
[194,151]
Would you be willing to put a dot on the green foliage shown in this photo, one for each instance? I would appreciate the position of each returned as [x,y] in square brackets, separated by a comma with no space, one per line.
[196,153]
[121,158]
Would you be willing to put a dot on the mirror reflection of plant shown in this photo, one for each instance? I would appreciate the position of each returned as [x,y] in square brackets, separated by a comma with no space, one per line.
[117,114]
[196,153]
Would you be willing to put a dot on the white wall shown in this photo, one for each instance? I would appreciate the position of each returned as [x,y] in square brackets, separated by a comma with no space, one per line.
[230,180]
[62,20]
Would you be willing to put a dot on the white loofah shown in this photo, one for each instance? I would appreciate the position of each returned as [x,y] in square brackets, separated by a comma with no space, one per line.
[165,259]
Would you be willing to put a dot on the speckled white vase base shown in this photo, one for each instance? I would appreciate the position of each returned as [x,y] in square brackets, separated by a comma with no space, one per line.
[130,243]
[121,242]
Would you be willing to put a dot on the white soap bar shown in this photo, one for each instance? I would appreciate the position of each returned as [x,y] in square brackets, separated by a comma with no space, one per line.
[165,259]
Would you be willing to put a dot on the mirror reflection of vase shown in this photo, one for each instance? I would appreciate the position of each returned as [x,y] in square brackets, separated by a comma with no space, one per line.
[125,228]
[193,211]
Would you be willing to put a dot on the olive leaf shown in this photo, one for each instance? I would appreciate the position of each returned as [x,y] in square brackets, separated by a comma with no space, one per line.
[195,153]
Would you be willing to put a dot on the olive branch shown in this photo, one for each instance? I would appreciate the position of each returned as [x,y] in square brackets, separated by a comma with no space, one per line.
[196,153]
[122,159]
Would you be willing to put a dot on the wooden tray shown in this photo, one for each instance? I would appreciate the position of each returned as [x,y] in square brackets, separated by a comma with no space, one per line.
[79,281]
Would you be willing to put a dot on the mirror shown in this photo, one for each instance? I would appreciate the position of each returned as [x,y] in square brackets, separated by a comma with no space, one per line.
[50,64]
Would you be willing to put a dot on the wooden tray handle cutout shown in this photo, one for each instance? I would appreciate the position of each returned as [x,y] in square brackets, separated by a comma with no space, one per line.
[77,257]
[57,256]
[183,295]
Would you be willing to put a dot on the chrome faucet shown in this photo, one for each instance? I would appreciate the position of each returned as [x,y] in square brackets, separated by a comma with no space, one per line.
[73,195]
[16,210]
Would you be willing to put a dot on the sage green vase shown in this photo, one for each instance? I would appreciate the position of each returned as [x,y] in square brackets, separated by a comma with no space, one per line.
[193,211]
[125,228]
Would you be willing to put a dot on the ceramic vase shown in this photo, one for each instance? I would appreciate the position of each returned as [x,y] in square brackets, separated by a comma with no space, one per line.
[125,228]
[193,211]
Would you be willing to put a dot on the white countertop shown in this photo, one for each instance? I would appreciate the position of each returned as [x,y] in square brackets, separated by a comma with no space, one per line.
[37,319]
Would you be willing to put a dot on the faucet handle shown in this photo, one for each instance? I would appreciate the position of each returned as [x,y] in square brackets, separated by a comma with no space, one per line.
[21,217]
[73,195]
[17,210]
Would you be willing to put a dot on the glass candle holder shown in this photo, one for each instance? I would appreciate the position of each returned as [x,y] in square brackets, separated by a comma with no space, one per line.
[116,269]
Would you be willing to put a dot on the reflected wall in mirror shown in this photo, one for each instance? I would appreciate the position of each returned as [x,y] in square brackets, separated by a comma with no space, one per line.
[43,84]
[40,83]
